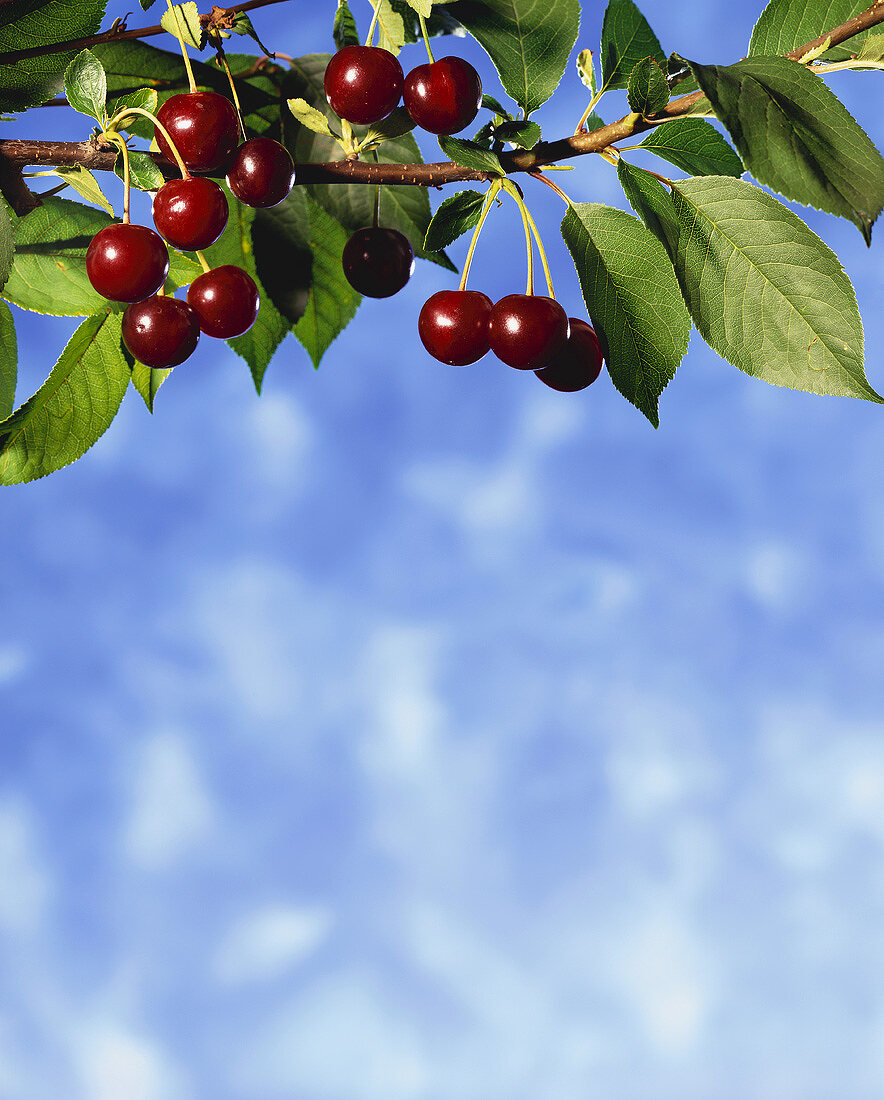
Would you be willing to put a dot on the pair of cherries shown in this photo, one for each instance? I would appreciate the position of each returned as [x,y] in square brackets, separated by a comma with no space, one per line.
[363,84]
[525,331]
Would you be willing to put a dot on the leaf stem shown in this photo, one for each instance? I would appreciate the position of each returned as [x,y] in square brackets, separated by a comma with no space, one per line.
[549,183]
[119,141]
[486,207]
[584,118]
[426,37]
[179,34]
[120,115]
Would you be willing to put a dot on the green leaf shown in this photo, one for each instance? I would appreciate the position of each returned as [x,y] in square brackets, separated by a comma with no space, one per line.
[649,199]
[235,247]
[344,31]
[796,137]
[492,104]
[243,25]
[470,155]
[529,42]
[309,116]
[422,7]
[332,301]
[765,292]
[8,361]
[7,244]
[694,146]
[524,134]
[147,381]
[144,98]
[633,299]
[784,25]
[85,85]
[29,24]
[283,257]
[872,51]
[143,172]
[626,39]
[441,21]
[73,407]
[453,218]
[390,26]
[396,124]
[586,69]
[182,21]
[647,92]
[85,184]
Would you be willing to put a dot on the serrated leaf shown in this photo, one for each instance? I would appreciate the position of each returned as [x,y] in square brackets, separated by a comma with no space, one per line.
[243,25]
[85,184]
[492,104]
[147,381]
[309,116]
[647,91]
[524,134]
[529,42]
[182,21]
[85,85]
[332,302]
[796,137]
[143,172]
[440,22]
[344,31]
[453,218]
[29,24]
[72,409]
[422,7]
[633,299]
[283,256]
[649,199]
[390,26]
[784,25]
[470,155]
[765,292]
[586,69]
[144,98]
[7,244]
[8,361]
[872,51]
[694,146]
[396,124]
[626,39]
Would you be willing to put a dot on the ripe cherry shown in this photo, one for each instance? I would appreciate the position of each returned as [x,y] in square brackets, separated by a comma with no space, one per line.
[378,262]
[443,97]
[160,331]
[527,330]
[225,300]
[262,172]
[579,362]
[203,126]
[453,326]
[190,213]
[127,263]
[363,83]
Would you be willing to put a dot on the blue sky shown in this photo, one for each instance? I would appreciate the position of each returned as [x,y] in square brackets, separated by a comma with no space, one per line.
[417,733]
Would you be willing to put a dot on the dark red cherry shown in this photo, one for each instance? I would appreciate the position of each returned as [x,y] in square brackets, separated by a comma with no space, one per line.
[160,331]
[378,262]
[527,330]
[363,83]
[225,300]
[261,173]
[453,326]
[203,126]
[127,262]
[579,362]
[190,213]
[444,96]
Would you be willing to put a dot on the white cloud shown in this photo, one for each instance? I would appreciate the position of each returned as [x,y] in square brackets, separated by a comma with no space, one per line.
[116,1064]
[14,660]
[24,879]
[269,941]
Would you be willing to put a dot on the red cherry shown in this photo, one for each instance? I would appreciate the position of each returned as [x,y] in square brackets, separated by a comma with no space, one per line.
[579,362]
[527,330]
[453,326]
[190,213]
[363,83]
[160,331]
[378,262]
[443,97]
[127,262]
[203,126]
[262,172]
[225,300]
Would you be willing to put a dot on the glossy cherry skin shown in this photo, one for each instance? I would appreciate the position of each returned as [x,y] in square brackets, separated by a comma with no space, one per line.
[127,263]
[363,84]
[443,97]
[526,331]
[160,331]
[203,126]
[578,364]
[453,326]
[190,213]
[378,262]
[261,173]
[225,300]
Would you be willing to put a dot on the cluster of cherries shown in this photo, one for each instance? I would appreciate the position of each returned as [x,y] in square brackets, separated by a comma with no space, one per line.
[129,263]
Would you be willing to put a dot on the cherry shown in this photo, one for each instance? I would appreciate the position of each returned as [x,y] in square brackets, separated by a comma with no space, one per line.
[453,326]
[443,97]
[225,300]
[160,331]
[190,213]
[204,127]
[527,330]
[579,362]
[262,172]
[363,83]
[378,262]
[127,262]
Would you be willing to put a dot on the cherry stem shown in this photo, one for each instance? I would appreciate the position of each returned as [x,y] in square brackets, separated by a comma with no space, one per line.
[118,140]
[204,263]
[489,199]
[222,61]
[120,115]
[426,38]
[374,23]
[180,36]
[531,228]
